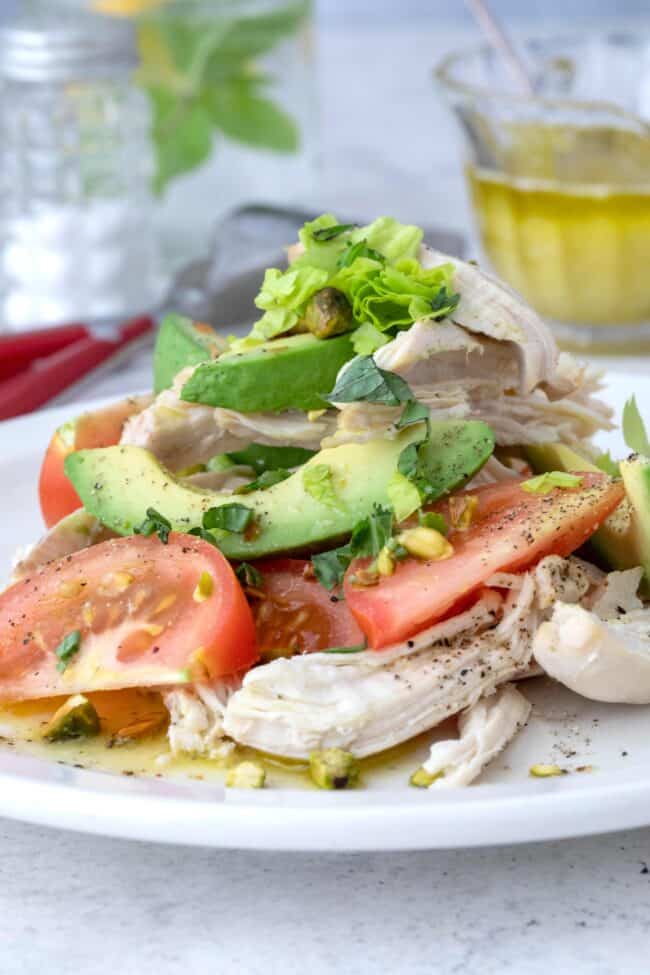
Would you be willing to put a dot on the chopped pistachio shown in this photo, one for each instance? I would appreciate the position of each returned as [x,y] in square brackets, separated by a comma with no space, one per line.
[365,577]
[426,543]
[204,588]
[462,511]
[246,775]
[314,415]
[546,771]
[76,718]
[422,779]
[385,562]
[333,768]
[328,313]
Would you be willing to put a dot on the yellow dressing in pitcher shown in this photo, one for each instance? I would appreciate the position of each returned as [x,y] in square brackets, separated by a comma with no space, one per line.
[565,219]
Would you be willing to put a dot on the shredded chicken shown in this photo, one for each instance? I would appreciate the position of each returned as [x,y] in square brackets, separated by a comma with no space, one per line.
[196,720]
[73,533]
[484,731]
[181,434]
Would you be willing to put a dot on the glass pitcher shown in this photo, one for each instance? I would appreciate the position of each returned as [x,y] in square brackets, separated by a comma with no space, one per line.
[560,181]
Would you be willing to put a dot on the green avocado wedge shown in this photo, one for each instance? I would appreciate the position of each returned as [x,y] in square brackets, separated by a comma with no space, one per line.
[180,343]
[118,485]
[282,374]
[617,540]
[636,477]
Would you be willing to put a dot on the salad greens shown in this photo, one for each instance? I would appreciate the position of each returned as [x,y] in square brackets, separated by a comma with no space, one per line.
[363,381]
[374,267]
[634,430]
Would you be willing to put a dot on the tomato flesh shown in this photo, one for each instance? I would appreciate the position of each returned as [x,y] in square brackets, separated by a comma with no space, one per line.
[101,428]
[141,618]
[511,531]
[297,613]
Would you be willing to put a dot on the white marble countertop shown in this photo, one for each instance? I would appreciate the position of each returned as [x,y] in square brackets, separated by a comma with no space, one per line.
[72,903]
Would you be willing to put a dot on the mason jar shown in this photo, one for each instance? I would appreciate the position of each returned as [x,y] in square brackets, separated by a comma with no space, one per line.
[75,173]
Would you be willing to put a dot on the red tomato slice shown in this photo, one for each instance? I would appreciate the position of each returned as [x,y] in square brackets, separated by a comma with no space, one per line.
[102,428]
[142,623]
[298,613]
[511,531]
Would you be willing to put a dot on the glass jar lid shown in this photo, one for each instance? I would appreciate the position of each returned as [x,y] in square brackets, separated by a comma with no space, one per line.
[47,48]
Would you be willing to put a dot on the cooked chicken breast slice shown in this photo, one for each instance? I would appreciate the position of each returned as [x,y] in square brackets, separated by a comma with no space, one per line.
[489,307]
[484,730]
[180,434]
[73,533]
[602,652]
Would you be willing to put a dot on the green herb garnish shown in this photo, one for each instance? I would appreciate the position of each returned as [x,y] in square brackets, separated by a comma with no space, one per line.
[444,303]
[364,381]
[155,524]
[205,535]
[248,575]
[67,649]
[634,431]
[233,517]
[359,249]
[368,538]
[329,233]
[412,413]
[266,480]
[262,458]
[544,483]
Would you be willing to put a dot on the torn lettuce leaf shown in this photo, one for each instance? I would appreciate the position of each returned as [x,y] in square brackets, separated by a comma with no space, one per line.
[367,339]
[374,266]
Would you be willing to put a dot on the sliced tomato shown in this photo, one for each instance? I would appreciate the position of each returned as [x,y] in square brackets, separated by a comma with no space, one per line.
[142,622]
[511,531]
[101,428]
[297,613]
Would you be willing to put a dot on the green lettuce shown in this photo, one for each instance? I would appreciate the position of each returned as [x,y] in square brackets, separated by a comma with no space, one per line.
[395,296]
[367,339]
[282,297]
[374,266]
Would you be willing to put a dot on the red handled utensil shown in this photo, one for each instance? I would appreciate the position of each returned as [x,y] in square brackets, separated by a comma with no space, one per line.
[40,365]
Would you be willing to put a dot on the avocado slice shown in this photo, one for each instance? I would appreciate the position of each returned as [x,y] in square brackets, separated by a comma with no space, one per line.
[636,477]
[180,343]
[617,540]
[287,373]
[118,484]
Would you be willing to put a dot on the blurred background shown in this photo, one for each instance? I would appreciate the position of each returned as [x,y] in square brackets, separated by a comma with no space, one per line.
[126,141]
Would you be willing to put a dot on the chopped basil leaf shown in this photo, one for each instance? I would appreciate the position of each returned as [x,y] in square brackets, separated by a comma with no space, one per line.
[373,532]
[155,524]
[205,535]
[262,458]
[363,380]
[228,517]
[330,567]
[444,303]
[634,431]
[432,519]
[67,649]
[544,483]
[318,482]
[360,249]
[248,575]
[329,233]
[357,649]
[412,413]
[266,480]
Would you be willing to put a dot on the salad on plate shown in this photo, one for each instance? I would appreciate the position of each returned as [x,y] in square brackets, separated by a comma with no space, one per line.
[371,519]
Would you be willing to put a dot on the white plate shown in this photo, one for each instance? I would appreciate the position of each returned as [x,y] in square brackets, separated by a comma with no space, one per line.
[508,806]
